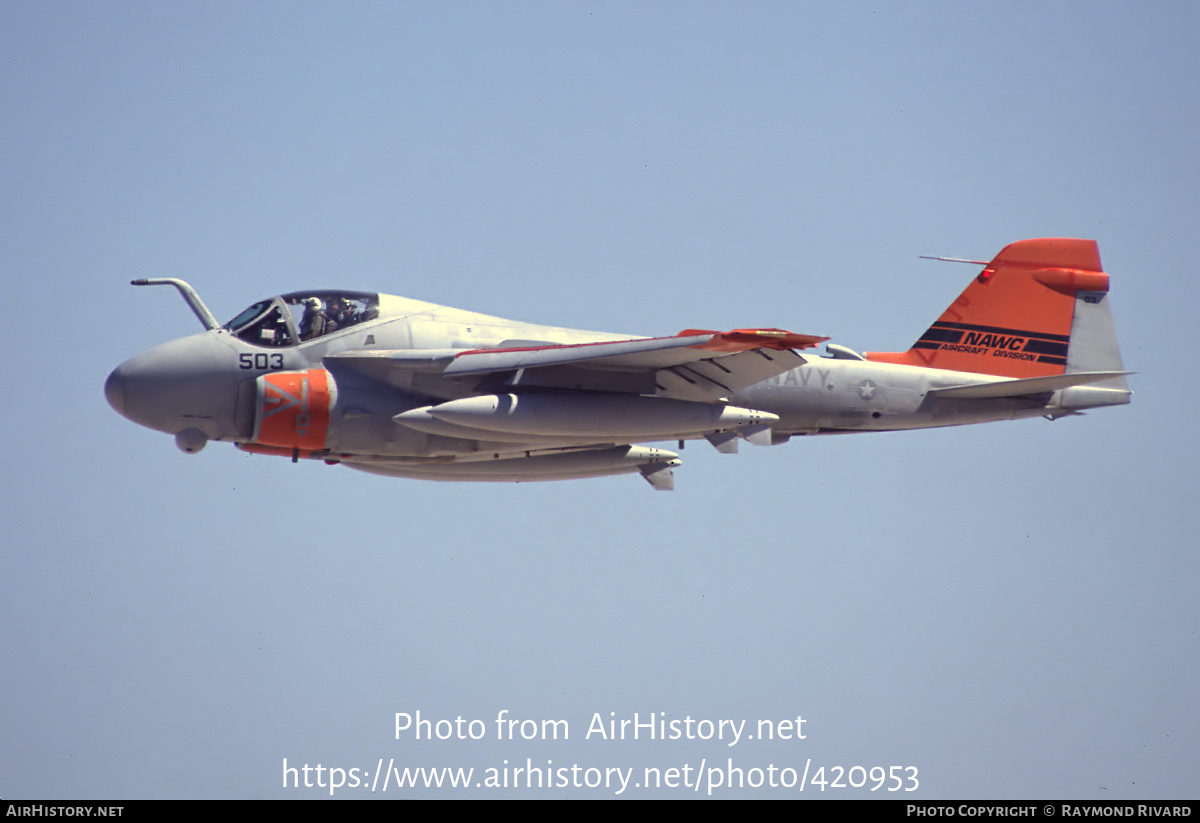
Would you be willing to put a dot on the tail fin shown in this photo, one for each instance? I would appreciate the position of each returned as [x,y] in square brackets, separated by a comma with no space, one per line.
[1039,309]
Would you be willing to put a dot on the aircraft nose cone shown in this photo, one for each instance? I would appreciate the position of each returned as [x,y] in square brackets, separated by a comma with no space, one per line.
[114,391]
[191,383]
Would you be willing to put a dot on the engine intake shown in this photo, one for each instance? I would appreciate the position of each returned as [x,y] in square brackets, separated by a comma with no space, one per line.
[292,408]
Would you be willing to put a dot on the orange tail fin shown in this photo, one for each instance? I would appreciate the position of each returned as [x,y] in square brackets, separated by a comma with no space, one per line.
[1014,319]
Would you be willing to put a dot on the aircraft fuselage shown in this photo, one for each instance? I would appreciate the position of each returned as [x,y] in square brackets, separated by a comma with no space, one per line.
[408,388]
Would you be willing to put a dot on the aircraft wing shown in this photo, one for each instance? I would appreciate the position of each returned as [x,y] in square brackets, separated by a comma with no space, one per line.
[694,365]
[641,353]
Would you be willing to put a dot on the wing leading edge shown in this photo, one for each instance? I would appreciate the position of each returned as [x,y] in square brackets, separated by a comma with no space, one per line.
[695,364]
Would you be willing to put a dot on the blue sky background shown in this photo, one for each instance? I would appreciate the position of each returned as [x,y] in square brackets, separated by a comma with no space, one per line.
[1010,608]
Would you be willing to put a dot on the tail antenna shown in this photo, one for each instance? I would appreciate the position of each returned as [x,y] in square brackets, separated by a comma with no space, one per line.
[954,260]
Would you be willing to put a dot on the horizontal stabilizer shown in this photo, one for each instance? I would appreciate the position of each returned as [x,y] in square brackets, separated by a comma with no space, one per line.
[1026,386]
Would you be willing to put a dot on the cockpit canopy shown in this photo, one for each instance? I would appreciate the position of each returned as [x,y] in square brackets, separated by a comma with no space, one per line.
[295,318]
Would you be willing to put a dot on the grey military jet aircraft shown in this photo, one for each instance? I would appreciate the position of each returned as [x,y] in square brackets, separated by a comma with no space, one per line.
[410,389]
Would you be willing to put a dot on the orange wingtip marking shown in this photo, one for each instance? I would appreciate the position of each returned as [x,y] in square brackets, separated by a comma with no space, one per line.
[745,339]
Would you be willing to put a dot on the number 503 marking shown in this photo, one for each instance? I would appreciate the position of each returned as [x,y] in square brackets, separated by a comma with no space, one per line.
[260,360]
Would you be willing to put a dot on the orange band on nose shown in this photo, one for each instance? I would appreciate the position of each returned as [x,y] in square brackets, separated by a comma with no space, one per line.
[293,409]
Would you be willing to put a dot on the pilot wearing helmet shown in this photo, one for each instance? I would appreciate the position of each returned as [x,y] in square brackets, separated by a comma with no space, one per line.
[313,323]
